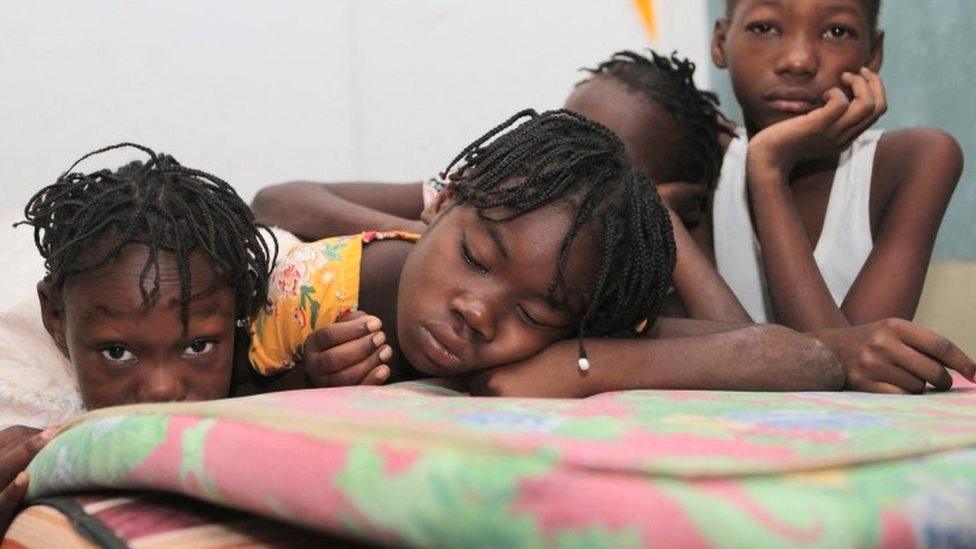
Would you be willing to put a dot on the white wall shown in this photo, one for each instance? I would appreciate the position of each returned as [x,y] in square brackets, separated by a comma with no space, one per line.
[262,92]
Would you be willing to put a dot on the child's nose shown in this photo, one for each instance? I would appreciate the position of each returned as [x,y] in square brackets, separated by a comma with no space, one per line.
[162,384]
[475,312]
[799,56]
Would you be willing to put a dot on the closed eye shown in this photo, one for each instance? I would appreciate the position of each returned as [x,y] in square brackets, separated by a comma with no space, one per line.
[533,322]
[470,259]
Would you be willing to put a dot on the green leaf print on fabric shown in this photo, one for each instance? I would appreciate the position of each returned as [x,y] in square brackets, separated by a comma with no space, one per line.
[600,537]
[333,250]
[192,463]
[107,449]
[464,499]
[308,302]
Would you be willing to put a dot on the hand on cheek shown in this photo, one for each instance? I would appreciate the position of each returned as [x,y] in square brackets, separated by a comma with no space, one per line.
[826,130]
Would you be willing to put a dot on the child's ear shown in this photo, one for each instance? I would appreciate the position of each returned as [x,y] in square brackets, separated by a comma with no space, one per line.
[877,52]
[52,314]
[441,204]
[719,34]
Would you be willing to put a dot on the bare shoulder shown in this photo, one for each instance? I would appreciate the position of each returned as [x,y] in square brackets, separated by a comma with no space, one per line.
[922,161]
[927,153]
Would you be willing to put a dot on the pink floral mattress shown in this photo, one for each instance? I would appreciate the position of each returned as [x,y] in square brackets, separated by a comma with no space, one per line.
[421,465]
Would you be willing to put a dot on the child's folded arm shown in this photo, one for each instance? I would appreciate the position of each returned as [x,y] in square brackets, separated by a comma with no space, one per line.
[921,167]
[760,357]
[317,210]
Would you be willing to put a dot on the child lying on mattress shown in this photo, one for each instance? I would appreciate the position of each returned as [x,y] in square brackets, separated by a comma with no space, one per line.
[547,241]
[150,271]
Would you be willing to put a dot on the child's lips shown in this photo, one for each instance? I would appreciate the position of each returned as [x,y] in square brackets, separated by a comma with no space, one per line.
[792,100]
[442,346]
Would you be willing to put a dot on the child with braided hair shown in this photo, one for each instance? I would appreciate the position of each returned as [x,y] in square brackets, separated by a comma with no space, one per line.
[542,273]
[152,271]
[671,131]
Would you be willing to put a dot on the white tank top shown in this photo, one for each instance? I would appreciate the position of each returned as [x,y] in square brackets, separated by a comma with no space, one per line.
[845,240]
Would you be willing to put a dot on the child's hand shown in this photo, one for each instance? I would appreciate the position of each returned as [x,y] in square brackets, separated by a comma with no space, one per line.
[350,351]
[18,446]
[896,356]
[825,130]
[553,373]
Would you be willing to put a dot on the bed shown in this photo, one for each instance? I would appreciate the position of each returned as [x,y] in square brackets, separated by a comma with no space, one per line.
[421,465]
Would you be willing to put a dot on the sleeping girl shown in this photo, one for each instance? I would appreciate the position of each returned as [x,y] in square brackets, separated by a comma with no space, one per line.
[549,251]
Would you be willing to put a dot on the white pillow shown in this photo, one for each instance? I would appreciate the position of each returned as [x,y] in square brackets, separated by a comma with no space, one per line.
[37,384]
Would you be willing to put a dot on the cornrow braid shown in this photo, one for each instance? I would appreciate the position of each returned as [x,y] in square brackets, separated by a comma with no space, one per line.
[532,160]
[162,205]
[669,82]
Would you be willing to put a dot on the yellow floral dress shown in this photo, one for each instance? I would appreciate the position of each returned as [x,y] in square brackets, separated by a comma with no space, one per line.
[309,289]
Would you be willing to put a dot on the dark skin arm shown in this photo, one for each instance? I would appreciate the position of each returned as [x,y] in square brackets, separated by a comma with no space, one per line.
[702,291]
[312,211]
[920,167]
[710,356]
[891,356]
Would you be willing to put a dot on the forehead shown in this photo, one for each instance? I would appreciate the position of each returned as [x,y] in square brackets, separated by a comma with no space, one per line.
[646,129]
[806,7]
[114,289]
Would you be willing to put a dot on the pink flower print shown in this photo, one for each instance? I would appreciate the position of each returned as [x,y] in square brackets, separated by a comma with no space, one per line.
[290,279]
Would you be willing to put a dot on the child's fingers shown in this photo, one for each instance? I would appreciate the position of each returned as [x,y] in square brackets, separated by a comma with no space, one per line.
[860,113]
[15,435]
[341,332]
[882,387]
[921,366]
[834,107]
[356,373]
[331,360]
[11,497]
[899,377]
[377,376]
[938,347]
[16,457]
[877,90]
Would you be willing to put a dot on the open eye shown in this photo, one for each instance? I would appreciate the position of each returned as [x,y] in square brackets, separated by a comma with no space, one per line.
[470,259]
[838,32]
[117,353]
[761,28]
[199,347]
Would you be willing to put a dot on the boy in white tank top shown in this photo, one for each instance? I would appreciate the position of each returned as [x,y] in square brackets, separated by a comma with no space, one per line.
[819,224]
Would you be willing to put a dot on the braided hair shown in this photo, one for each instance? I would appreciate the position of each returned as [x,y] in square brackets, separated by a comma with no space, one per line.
[162,205]
[668,82]
[562,156]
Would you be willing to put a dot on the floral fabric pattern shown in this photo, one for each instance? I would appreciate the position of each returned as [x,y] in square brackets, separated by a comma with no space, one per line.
[310,287]
[419,465]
